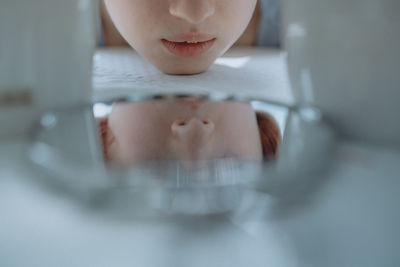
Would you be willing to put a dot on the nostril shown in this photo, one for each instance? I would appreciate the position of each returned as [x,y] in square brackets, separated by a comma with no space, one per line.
[179,124]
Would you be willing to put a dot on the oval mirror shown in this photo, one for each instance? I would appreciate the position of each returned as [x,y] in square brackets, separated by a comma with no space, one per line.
[180,153]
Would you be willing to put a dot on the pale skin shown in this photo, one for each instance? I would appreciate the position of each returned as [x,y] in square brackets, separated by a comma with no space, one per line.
[143,24]
[182,129]
[113,38]
[142,132]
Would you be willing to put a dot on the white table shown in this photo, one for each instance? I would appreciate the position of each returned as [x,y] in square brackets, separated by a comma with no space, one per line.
[256,72]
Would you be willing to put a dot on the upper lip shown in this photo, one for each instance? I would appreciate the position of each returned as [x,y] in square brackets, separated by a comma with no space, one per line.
[193,37]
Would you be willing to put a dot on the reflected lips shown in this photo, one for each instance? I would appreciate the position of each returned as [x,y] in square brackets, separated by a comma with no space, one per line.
[193,103]
[189,45]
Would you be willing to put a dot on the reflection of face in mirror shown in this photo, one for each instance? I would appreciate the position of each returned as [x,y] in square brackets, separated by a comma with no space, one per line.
[187,129]
[179,37]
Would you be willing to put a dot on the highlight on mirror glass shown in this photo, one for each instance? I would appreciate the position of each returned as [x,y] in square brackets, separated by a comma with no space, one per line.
[189,129]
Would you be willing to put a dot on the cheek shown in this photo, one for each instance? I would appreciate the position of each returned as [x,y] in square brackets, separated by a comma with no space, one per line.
[232,18]
[138,139]
[241,142]
[136,19]
[240,130]
[138,144]
[237,15]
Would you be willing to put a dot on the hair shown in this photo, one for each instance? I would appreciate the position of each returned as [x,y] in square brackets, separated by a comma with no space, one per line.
[105,138]
[270,136]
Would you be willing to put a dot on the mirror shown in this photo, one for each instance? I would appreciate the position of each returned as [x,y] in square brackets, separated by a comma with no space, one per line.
[189,129]
[191,154]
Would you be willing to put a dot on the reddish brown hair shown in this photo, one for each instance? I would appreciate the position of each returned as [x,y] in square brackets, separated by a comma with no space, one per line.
[105,139]
[270,135]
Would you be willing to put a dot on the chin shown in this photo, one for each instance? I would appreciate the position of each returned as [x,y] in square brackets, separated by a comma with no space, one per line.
[183,69]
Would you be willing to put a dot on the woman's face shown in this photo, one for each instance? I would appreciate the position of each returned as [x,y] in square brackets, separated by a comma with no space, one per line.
[183,129]
[181,36]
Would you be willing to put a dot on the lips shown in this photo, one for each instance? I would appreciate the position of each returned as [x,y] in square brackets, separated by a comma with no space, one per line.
[191,102]
[189,45]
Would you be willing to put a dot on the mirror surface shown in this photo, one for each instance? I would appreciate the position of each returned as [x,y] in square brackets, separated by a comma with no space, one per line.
[191,154]
[186,128]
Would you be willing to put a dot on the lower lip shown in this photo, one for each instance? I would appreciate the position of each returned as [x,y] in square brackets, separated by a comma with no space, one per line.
[188,50]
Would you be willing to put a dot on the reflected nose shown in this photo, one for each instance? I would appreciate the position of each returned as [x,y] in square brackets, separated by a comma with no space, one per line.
[193,11]
[194,132]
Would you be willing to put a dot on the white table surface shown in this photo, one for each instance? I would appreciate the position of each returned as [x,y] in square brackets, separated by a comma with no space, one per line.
[257,72]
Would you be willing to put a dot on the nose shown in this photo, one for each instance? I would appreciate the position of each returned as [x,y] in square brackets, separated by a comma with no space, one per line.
[193,11]
[194,134]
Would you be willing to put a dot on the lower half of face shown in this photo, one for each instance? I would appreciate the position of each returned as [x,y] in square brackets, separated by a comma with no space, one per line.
[181,36]
[183,131]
